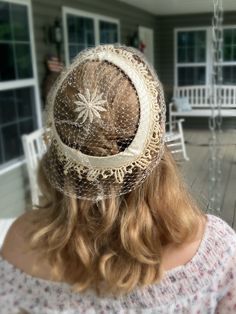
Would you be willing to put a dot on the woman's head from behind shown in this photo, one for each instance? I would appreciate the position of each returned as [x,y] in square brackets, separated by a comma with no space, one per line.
[106,120]
[114,197]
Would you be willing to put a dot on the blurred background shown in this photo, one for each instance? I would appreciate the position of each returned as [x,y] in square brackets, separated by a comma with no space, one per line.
[39,37]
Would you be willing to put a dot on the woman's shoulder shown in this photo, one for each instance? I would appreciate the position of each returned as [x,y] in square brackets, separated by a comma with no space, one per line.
[220,240]
[220,228]
[15,247]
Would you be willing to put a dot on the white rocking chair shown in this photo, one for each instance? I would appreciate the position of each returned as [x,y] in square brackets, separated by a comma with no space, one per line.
[174,138]
[34,147]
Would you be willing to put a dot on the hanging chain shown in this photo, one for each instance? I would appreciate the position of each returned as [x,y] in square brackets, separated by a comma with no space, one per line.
[215,121]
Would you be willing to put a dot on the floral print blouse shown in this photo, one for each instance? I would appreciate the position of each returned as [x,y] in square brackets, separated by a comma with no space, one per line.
[205,285]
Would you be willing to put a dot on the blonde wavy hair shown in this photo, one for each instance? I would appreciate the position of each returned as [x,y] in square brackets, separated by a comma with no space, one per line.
[116,241]
[115,244]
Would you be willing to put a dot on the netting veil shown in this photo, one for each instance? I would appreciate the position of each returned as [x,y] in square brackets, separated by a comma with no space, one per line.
[105,121]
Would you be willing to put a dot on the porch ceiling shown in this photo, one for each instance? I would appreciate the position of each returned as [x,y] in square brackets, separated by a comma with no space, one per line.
[168,7]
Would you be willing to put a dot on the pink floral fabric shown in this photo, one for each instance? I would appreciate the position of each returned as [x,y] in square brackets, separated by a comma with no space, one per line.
[206,284]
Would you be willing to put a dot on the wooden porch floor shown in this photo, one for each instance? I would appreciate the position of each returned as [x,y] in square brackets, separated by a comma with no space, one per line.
[195,171]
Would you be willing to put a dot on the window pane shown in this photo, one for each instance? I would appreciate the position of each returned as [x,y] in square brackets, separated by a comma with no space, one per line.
[23,61]
[200,38]
[11,142]
[191,46]
[228,37]
[80,34]
[25,102]
[5,25]
[7,69]
[190,54]
[185,39]
[227,53]
[81,30]
[234,36]
[88,26]
[229,45]
[7,107]
[19,18]
[182,39]
[234,53]
[26,127]
[108,32]
[229,75]
[16,60]
[191,76]
[17,117]
[182,55]
[71,25]
[200,54]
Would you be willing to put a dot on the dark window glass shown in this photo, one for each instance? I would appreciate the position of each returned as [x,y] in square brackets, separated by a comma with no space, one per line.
[23,61]
[200,55]
[11,142]
[200,38]
[190,54]
[25,102]
[191,46]
[15,61]
[7,107]
[80,30]
[228,39]
[191,76]
[229,75]
[234,36]
[234,53]
[185,39]
[227,53]
[26,127]
[71,23]
[17,117]
[19,18]
[181,54]
[90,39]
[80,34]
[7,68]
[5,24]
[229,45]
[108,32]
[85,31]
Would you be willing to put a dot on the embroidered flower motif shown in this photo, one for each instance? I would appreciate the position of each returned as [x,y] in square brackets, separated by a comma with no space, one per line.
[89,105]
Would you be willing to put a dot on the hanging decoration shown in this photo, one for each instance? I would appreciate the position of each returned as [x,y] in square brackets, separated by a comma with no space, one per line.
[215,121]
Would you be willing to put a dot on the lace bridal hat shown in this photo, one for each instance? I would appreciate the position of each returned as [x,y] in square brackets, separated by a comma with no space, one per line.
[105,119]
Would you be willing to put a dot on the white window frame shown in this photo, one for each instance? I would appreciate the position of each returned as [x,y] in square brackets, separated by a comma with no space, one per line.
[208,62]
[95,17]
[193,64]
[20,83]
